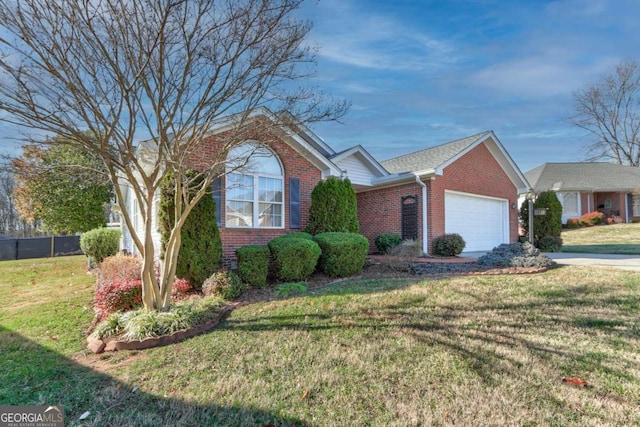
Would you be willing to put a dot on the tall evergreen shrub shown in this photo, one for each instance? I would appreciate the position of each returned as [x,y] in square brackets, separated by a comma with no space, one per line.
[333,207]
[549,224]
[201,248]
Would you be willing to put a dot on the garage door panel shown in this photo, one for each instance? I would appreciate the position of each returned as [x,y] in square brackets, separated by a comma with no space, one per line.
[481,221]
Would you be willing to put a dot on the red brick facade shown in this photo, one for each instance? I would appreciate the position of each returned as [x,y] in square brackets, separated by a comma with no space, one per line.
[476,172]
[294,165]
[379,210]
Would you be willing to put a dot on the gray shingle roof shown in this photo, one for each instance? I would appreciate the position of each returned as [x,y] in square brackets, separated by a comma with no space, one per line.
[430,158]
[589,176]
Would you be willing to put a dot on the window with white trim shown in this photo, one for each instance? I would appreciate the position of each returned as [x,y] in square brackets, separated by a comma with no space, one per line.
[570,206]
[254,188]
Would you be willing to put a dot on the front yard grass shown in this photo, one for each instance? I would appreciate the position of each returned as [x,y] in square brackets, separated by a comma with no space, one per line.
[468,350]
[621,239]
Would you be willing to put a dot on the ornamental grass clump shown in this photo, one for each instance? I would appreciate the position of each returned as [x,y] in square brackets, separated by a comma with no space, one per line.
[140,324]
[224,284]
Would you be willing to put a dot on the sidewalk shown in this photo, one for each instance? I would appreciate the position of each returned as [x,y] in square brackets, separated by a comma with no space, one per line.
[625,262]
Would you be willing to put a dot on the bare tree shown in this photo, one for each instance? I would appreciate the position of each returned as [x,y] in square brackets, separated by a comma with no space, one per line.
[166,69]
[610,111]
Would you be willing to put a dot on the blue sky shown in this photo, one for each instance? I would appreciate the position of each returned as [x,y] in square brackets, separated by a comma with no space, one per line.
[420,73]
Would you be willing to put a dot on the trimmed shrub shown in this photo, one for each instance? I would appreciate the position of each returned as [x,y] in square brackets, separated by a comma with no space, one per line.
[573,223]
[100,243]
[253,264]
[298,235]
[119,267]
[515,255]
[294,258]
[224,284]
[200,247]
[451,244]
[120,295]
[333,207]
[343,254]
[386,241]
[592,218]
[549,244]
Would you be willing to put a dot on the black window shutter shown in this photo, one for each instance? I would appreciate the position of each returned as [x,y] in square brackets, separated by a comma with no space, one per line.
[216,193]
[294,203]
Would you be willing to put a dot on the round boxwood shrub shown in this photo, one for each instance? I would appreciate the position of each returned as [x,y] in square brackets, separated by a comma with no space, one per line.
[100,243]
[298,235]
[253,264]
[294,258]
[451,244]
[387,241]
[343,254]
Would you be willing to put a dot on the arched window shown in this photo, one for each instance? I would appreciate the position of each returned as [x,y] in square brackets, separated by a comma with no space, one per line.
[255,188]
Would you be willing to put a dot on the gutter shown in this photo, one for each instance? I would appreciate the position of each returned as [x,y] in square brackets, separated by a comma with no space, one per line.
[425,236]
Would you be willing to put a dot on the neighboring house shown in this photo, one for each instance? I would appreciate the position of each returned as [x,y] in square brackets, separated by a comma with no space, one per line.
[587,187]
[470,187]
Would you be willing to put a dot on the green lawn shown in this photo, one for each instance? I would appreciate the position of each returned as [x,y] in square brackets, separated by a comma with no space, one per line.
[476,350]
[605,239]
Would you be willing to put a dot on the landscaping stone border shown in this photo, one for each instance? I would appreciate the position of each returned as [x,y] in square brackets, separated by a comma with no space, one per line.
[97,345]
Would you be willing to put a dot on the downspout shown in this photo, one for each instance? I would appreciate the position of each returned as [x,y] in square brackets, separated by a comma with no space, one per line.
[425,236]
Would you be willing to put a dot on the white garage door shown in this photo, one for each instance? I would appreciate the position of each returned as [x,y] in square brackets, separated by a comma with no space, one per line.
[482,222]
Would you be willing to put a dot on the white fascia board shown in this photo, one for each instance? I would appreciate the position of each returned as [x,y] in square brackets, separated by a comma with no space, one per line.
[371,162]
[393,179]
[506,158]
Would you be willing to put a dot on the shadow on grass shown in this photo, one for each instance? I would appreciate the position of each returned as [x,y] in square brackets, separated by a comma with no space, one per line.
[491,337]
[617,249]
[35,375]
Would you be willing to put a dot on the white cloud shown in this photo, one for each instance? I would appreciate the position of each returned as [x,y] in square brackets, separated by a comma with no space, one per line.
[351,34]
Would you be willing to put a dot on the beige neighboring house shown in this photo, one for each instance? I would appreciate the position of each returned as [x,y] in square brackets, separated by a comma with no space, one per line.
[591,186]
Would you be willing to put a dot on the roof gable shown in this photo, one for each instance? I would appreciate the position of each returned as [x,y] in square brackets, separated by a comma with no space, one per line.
[433,157]
[433,161]
[585,176]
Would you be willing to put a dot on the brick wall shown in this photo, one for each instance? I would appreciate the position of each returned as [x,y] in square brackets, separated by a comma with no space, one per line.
[477,172]
[295,166]
[379,211]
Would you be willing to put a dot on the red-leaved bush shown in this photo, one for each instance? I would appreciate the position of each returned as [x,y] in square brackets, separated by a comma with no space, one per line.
[180,289]
[117,296]
[592,218]
[119,287]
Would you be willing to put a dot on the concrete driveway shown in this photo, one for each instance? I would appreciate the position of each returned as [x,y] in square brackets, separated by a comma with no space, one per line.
[625,262]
